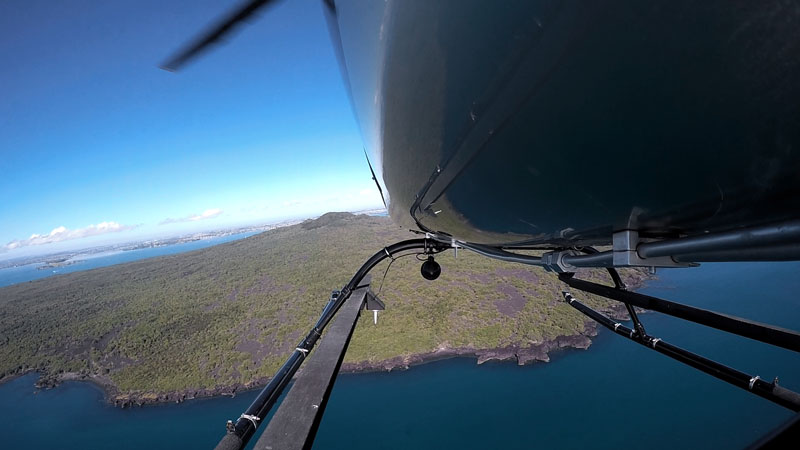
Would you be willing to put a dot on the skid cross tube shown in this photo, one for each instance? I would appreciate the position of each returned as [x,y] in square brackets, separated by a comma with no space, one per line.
[770,391]
[239,434]
[769,334]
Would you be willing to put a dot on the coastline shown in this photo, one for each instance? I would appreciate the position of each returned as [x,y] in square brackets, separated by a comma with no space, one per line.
[535,353]
[538,352]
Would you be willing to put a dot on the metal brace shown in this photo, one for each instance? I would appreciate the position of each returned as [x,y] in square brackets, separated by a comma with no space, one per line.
[455,246]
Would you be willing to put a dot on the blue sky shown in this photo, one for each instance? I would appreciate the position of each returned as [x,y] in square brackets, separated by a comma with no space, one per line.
[97,140]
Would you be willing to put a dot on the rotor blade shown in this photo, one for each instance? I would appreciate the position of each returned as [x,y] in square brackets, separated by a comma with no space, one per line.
[374,178]
[216,32]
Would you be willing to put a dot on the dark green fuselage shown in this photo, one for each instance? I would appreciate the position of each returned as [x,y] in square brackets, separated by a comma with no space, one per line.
[560,122]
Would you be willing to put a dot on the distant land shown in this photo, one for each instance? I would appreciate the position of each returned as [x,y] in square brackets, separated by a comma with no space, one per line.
[65,258]
[222,319]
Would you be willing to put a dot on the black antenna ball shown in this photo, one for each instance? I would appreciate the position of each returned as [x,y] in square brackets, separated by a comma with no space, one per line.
[431,269]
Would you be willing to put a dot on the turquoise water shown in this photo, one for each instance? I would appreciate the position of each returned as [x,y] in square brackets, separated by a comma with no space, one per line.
[29,272]
[615,394]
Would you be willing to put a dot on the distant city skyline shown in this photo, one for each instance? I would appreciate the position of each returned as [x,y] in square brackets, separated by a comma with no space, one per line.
[100,146]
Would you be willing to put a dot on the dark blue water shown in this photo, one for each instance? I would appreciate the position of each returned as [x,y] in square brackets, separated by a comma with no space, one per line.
[615,394]
[20,274]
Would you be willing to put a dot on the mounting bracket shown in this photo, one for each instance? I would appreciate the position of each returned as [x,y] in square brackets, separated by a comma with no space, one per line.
[625,255]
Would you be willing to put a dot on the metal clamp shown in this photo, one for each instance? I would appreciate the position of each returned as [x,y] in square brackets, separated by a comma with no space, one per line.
[625,255]
[253,419]
[753,381]
[554,261]
[302,350]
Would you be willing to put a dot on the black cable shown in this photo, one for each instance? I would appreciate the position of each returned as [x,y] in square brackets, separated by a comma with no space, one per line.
[430,251]
[380,288]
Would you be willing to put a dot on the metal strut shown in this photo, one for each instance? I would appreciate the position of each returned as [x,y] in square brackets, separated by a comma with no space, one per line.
[770,391]
[239,434]
[768,334]
[620,285]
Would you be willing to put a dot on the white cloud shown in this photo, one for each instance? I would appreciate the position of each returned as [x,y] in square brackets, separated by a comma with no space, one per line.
[207,214]
[65,234]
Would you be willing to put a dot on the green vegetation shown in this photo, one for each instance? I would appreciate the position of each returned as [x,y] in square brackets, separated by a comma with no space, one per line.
[231,313]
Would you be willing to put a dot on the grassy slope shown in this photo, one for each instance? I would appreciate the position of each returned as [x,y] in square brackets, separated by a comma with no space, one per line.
[232,313]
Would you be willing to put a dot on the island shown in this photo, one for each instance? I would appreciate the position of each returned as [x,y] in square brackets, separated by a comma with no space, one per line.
[222,319]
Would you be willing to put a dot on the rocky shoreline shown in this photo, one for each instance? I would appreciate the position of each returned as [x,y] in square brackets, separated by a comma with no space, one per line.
[536,352]
[522,355]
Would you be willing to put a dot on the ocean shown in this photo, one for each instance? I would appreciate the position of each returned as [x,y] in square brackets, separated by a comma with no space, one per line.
[29,272]
[615,394]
